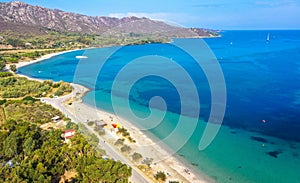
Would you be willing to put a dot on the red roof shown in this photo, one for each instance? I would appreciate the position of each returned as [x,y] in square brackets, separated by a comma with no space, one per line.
[71,130]
[68,137]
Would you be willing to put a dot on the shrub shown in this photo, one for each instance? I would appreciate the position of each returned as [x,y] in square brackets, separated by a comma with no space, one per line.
[29,98]
[2,65]
[160,176]
[7,81]
[59,92]
[48,82]
[119,142]
[136,156]
[13,94]
[147,161]
[90,123]
[2,101]
[96,129]
[63,88]
[101,132]
[13,68]
[5,74]
[71,125]
[131,140]
[125,148]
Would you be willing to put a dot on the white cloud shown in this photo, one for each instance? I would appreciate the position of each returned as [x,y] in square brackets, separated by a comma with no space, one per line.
[154,16]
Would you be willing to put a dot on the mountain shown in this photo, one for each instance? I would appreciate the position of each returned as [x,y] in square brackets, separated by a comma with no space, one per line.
[21,16]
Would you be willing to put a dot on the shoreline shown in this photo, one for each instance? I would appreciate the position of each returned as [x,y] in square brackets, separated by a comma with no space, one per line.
[45,57]
[175,166]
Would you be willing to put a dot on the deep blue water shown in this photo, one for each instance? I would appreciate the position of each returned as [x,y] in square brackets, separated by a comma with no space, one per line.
[262,81]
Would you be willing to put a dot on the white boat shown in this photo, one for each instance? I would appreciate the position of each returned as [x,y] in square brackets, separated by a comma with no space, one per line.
[81,57]
[268,37]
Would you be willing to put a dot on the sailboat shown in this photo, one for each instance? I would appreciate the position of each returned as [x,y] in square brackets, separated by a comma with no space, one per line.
[268,37]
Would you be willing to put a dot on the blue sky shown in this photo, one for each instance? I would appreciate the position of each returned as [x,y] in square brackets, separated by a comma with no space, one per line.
[216,14]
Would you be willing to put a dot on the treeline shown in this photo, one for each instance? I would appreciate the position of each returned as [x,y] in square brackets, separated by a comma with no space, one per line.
[29,154]
[51,39]
[68,40]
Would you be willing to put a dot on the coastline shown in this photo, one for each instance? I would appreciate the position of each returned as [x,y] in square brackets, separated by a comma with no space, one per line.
[81,112]
[44,57]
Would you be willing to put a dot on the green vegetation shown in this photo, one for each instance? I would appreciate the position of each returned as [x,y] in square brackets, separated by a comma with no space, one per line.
[91,137]
[2,101]
[126,134]
[123,131]
[2,64]
[147,161]
[91,123]
[16,87]
[136,156]
[28,154]
[62,89]
[30,110]
[51,39]
[119,142]
[13,67]
[125,149]
[15,56]
[5,74]
[55,39]
[160,176]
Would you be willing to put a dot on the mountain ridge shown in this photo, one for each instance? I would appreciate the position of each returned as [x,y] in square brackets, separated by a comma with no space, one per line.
[20,13]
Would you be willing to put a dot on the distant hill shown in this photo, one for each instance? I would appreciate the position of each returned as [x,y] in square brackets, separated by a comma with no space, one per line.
[19,16]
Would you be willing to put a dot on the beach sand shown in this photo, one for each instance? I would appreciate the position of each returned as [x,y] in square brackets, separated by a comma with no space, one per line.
[175,169]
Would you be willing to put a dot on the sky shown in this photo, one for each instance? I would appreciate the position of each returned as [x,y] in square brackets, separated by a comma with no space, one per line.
[214,14]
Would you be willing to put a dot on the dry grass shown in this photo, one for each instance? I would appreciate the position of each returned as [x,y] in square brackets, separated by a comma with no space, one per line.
[68,176]
[2,116]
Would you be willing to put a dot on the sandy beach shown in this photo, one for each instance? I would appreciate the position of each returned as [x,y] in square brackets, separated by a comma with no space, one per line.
[79,112]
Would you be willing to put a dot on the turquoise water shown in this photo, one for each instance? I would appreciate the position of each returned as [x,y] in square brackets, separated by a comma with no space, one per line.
[258,141]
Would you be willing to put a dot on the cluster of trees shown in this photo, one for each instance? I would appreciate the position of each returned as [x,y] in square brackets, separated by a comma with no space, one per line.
[62,88]
[29,109]
[29,154]
[126,134]
[15,87]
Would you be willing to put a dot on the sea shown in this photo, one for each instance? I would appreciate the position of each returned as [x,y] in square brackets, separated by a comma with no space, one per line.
[244,85]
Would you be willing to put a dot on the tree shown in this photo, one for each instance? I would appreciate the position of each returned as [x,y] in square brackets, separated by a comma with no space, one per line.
[28,146]
[160,176]
[13,68]
[2,65]
[11,146]
[15,42]
[125,148]
[119,142]
[136,156]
